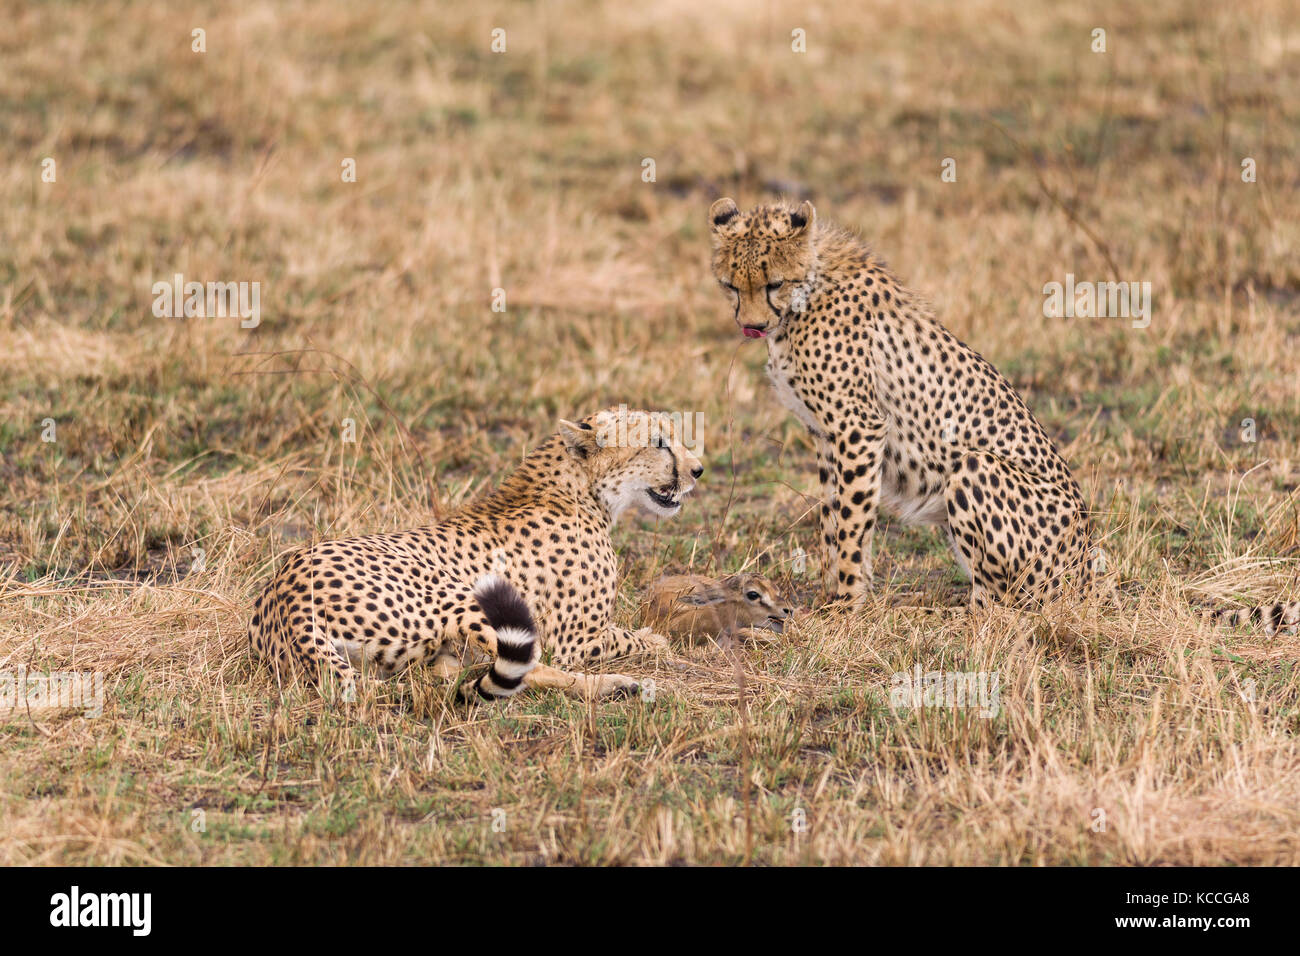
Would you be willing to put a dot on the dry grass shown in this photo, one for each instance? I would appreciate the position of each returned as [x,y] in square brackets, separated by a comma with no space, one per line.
[523,171]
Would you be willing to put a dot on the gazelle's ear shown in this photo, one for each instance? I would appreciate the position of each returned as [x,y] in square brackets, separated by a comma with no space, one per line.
[802,219]
[721,213]
[703,597]
[579,438]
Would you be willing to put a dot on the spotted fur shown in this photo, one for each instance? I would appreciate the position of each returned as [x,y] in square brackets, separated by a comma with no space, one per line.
[528,567]
[904,415]
[908,417]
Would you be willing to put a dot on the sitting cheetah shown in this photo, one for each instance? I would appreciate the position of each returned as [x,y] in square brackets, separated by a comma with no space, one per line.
[696,608]
[904,415]
[471,584]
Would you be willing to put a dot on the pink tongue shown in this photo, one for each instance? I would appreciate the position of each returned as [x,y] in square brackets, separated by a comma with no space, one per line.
[754,333]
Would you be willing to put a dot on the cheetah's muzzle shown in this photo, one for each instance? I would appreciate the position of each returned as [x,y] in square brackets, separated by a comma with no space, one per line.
[668,499]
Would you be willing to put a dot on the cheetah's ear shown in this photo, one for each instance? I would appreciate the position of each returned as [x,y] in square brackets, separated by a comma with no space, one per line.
[802,219]
[578,438]
[721,213]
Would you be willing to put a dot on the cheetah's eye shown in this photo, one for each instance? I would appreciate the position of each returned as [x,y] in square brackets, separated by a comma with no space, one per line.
[752,595]
[773,286]
[728,286]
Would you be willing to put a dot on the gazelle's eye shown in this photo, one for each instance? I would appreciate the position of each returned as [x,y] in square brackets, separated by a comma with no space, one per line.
[752,595]
[773,286]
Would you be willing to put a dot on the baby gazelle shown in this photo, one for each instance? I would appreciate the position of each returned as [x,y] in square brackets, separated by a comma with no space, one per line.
[696,608]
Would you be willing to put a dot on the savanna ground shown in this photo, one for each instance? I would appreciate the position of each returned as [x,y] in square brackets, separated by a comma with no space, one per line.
[190,453]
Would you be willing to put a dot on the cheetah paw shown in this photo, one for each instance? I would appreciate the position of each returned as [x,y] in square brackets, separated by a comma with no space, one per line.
[650,640]
[613,686]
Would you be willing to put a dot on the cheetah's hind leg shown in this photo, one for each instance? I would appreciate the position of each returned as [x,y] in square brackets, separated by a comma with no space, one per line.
[1017,535]
[323,662]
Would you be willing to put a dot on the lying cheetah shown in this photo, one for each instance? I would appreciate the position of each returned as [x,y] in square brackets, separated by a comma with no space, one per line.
[904,415]
[471,585]
[696,608]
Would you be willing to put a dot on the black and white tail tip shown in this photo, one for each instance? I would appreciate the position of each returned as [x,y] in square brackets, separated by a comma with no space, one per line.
[1278,616]
[517,645]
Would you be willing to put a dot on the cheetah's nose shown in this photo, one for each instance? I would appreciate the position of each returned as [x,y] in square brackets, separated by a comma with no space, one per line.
[697,471]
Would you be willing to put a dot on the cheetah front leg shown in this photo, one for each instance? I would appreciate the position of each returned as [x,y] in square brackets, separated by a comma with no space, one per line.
[856,469]
[830,509]
[578,684]
[573,646]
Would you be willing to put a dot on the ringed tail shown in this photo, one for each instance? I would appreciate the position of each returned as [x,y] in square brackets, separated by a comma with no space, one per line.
[1274,616]
[517,646]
